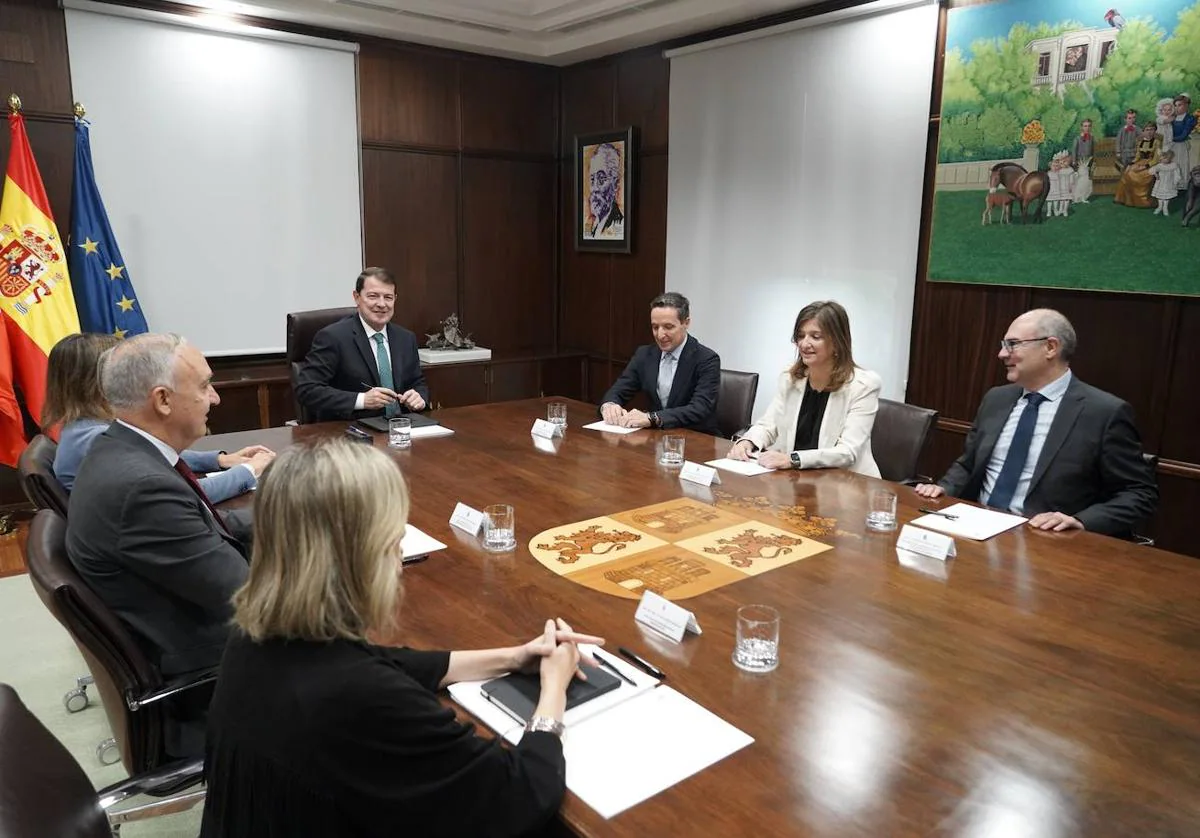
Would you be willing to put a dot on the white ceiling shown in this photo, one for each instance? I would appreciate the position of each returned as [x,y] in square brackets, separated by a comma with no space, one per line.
[548,31]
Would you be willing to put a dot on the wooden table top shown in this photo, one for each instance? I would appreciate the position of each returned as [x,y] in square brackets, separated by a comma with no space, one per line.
[1041,685]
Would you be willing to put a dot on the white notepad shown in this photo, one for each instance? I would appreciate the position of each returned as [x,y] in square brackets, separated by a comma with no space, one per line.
[428,431]
[417,543]
[610,429]
[971,522]
[746,467]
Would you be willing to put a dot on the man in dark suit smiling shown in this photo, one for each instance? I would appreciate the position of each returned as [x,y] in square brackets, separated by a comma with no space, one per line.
[364,365]
[680,375]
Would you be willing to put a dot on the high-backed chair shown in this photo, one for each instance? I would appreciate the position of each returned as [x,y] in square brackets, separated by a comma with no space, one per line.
[35,467]
[130,686]
[302,326]
[735,401]
[43,790]
[898,438]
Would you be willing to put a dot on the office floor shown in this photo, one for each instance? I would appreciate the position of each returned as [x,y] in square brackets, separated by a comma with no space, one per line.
[38,659]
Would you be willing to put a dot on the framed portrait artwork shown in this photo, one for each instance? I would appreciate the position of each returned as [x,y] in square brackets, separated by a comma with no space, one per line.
[603,190]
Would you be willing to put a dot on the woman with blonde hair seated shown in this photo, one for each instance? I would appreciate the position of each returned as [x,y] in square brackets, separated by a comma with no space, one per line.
[74,402]
[316,730]
[823,413]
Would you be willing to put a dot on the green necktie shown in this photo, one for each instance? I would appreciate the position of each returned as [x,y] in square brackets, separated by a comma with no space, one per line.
[385,371]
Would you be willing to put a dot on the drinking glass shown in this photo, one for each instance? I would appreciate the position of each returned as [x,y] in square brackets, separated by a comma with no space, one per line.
[556,414]
[399,433]
[881,515]
[499,528]
[671,453]
[757,646]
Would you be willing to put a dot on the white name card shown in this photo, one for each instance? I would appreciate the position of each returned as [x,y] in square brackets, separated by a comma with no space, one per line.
[665,617]
[544,429]
[467,519]
[696,473]
[932,545]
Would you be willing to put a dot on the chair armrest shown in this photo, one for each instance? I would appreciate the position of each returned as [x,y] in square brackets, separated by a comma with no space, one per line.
[166,779]
[170,688]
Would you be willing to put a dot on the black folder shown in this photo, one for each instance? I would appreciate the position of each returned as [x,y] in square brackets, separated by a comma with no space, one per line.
[517,694]
[380,423]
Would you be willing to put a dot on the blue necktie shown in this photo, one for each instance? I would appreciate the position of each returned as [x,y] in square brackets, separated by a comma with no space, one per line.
[1018,453]
[385,371]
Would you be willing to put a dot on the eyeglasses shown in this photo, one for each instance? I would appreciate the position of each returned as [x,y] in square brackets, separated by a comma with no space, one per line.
[1009,345]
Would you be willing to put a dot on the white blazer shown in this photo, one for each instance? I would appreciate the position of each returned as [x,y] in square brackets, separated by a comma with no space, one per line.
[844,440]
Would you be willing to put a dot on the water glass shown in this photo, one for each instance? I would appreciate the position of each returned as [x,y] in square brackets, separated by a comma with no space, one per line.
[671,452]
[757,646]
[399,433]
[499,528]
[881,515]
[556,415]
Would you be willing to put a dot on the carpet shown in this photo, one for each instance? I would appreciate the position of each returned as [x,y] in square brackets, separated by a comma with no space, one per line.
[39,660]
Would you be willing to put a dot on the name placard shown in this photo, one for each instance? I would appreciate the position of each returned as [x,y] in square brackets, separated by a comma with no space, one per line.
[933,545]
[696,473]
[544,429]
[466,519]
[665,617]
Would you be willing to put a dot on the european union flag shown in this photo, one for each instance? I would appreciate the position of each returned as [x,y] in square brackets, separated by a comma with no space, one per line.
[103,291]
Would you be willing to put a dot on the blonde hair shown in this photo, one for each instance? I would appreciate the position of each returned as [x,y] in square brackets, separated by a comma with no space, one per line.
[73,380]
[328,519]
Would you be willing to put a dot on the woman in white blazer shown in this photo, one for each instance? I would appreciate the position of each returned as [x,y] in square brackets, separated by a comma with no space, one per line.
[825,408]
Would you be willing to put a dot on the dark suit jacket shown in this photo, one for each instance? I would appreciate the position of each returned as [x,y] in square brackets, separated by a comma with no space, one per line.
[351,740]
[1090,466]
[144,542]
[342,358]
[693,399]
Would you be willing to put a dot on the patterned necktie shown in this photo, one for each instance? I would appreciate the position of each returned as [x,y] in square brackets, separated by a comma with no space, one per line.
[385,371]
[666,375]
[190,477]
[1018,453]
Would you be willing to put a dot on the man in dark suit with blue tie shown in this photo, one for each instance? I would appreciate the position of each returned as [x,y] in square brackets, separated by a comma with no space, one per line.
[1048,446]
[680,375]
[364,365]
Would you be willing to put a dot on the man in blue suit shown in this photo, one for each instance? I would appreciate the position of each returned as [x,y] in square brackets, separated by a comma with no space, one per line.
[680,375]
[364,365]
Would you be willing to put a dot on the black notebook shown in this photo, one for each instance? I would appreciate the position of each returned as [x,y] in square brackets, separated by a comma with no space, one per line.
[380,423]
[517,694]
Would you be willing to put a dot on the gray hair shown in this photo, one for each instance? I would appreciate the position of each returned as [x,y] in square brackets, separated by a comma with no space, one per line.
[675,300]
[134,367]
[1051,323]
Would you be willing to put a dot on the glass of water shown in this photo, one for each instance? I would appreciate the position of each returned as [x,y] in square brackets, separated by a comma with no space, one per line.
[881,515]
[399,433]
[671,452]
[556,414]
[757,647]
[499,528]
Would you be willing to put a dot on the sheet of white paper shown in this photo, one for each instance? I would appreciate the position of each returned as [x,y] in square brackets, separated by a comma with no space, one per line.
[610,429]
[674,736]
[746,467]
[971,522]
[417,543]
[426,431]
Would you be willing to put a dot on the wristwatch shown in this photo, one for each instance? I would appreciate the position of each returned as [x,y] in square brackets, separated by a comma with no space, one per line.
[549,725]
[655,422]
[795,458]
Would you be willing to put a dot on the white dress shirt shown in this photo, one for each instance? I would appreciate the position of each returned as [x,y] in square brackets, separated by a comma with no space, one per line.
[360,402]
[171,455]
[1053,393]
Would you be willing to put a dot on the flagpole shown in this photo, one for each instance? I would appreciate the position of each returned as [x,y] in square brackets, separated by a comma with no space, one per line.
[14,103]
[80,112]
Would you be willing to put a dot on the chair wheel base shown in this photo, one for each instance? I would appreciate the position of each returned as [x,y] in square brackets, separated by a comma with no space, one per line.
[76,700]
[107,752]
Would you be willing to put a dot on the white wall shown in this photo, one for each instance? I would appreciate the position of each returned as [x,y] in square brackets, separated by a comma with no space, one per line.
[796,170]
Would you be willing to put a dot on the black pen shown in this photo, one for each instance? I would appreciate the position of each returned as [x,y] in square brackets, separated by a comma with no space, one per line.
[641,663]
[600,659]
[935,512]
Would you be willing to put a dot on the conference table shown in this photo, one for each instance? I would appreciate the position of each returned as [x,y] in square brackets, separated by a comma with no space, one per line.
[1038,684]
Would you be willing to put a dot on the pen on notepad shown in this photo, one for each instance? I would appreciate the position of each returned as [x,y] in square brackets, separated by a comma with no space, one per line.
[935,512]
[641,663]
[600,659]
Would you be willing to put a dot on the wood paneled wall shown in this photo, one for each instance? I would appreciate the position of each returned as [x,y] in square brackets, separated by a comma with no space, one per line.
[604,298]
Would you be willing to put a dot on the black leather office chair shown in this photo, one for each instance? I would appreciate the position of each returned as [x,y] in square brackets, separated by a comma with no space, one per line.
[1145,540]
[898,439]
[35,468]
[43,790]
[302,326]
[735,401]
[131,688]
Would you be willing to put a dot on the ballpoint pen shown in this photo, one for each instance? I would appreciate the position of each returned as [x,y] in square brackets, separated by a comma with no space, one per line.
[604,662]
[641,663]
[936,512]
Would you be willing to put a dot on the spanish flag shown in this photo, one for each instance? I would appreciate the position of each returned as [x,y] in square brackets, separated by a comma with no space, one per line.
[36,303]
